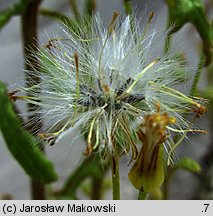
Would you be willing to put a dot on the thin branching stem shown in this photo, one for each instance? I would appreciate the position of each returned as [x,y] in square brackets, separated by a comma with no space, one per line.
[54,15]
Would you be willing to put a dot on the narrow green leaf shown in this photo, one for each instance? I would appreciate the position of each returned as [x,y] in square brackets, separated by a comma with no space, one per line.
[188,164]
[22,144]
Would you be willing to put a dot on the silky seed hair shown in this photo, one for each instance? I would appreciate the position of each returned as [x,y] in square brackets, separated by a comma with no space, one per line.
[103,80]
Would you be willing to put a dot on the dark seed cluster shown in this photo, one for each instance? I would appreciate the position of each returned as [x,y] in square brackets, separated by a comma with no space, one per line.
[90,98]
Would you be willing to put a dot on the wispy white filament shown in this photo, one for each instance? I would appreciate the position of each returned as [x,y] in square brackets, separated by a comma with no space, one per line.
[122,77]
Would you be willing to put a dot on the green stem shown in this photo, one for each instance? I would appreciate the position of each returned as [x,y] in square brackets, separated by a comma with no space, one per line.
[54,15]
[90,6]
[167,44]
[201,63]
[142,195]
[30,44]
[115,178]
[168,39]
[90,167]
[127,7]
[96,188]
[74,9]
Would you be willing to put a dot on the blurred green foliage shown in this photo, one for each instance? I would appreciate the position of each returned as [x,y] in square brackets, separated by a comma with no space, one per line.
[22,145]
[15,9]
[192,11]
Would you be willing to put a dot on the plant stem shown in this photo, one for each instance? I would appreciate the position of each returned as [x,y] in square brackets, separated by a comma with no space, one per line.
[96,188]
[142,195]
[127,7]
[29,34]
[54,15]
[74,9]
[201,63]
[115,178]
[168,39]
[90,7]
[90,167]
[167,44]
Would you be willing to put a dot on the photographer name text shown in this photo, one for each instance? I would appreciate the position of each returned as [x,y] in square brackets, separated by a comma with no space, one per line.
[69,208]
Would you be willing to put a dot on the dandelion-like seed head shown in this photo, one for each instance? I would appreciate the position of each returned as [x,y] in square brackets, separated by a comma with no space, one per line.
[103,81]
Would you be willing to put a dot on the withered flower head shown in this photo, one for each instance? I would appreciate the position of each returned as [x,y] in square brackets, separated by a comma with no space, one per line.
[147,173]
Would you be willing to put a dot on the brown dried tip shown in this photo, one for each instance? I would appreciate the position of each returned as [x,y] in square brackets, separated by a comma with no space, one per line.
[151,15]
[76,60]
[200,110]
[50,44]
[112,23]
[157,105]
[14,97]
[88,151]
[48,137]
[152,134]
[76,57]
[105,87]
[114,16]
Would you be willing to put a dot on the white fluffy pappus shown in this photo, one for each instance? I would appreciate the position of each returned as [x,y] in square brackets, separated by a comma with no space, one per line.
[103,80]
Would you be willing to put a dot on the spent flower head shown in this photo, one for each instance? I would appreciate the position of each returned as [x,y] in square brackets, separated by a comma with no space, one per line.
[104,81]
[147,173]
